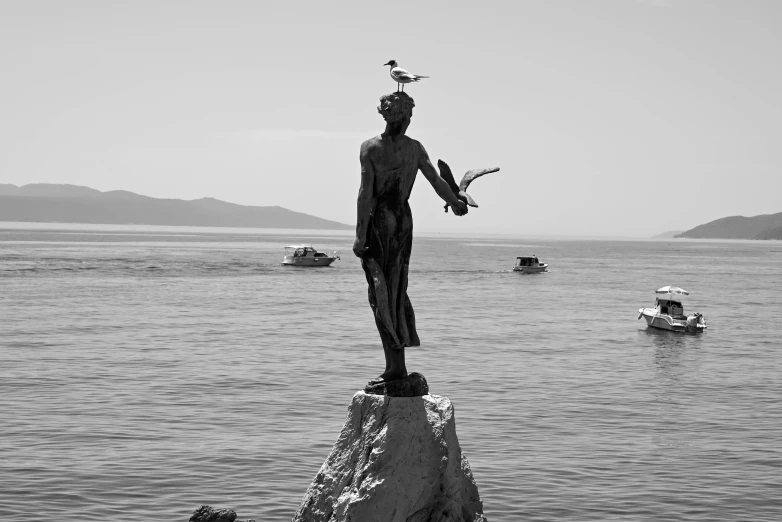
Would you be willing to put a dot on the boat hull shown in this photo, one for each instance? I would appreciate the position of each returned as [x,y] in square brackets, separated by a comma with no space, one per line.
[666,322]
[308,261]
[531,269]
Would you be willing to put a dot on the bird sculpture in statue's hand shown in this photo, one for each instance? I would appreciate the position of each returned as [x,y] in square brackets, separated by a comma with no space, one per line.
[399,75]
[461,190]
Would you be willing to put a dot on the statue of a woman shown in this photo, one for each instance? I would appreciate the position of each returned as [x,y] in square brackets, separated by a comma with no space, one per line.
[384,230]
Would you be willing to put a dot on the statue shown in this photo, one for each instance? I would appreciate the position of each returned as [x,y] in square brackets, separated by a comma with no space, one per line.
[398,456]
[384,228]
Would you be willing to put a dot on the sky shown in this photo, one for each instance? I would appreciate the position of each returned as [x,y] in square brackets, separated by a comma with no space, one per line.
[606,117]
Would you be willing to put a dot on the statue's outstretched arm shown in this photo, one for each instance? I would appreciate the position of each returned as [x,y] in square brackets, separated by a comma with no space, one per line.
[365,202]
[439,184]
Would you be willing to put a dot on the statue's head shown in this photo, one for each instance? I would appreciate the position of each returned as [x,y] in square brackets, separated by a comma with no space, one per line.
[396,107]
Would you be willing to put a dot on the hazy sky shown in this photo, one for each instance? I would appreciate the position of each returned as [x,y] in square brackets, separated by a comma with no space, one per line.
[614,117]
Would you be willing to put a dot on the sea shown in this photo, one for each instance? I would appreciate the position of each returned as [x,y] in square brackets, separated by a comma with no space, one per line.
[145,371]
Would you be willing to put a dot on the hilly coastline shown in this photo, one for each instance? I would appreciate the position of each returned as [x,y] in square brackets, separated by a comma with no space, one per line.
[667,235]
[51,203]
[765,226]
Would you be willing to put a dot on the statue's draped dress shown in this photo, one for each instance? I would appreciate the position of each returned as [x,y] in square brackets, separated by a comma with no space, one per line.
[390,241]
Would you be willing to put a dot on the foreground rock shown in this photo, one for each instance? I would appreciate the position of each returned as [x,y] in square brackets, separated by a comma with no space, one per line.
[210,514]
[396,460]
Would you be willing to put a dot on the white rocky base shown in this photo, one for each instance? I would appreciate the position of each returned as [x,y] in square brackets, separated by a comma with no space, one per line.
[396,460]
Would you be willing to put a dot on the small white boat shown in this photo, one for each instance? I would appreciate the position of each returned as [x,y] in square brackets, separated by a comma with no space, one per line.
[530,265]
[305,255]
[668,312]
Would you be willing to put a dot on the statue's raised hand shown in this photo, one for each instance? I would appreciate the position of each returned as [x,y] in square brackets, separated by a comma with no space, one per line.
[459,209]
[461,190]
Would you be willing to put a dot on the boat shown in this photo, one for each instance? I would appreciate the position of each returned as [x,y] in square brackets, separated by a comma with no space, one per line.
[530,265]
[668,312]
[305,255]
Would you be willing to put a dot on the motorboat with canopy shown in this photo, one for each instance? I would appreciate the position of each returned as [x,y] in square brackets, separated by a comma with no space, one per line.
[668,312]
[530,265]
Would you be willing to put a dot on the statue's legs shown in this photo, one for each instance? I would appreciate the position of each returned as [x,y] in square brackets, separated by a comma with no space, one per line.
[385,267]
[395,364]
[388,322]
[380,300]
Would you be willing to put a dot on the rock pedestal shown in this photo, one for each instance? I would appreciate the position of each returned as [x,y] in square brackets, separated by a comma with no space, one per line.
[396,460]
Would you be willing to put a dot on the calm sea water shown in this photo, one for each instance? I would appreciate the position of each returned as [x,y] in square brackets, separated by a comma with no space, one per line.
[145,373]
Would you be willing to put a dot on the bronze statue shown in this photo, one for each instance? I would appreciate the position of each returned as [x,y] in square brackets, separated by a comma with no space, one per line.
[384,229]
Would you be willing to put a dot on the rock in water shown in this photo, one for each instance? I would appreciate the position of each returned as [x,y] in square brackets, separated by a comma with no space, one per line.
[396,460]
[210,514]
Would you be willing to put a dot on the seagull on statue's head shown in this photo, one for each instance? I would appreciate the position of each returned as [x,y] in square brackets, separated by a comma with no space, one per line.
[399,75]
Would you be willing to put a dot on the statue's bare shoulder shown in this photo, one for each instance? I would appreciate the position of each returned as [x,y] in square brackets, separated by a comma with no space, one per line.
[373,147]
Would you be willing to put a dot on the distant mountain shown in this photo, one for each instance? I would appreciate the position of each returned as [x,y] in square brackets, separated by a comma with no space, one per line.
[667,235]
[48,190]
[737,227]
[43,202]
[8,190]
[771,233]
